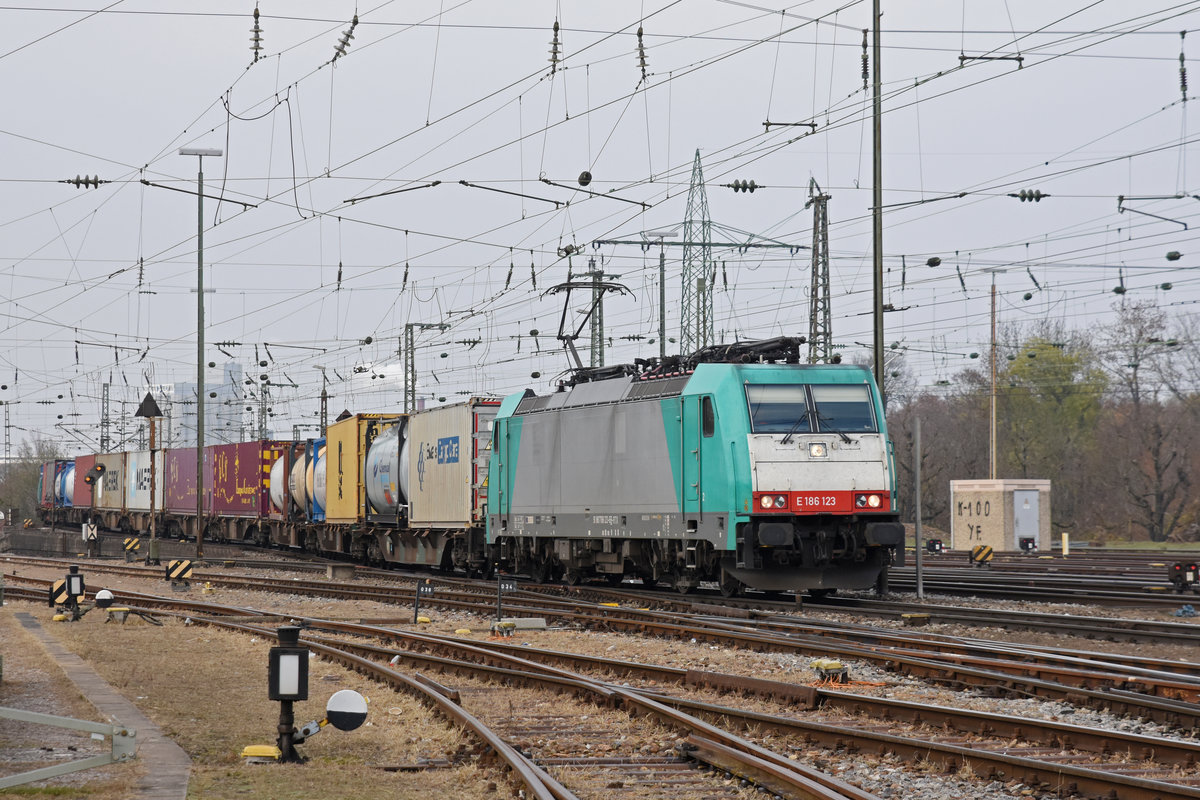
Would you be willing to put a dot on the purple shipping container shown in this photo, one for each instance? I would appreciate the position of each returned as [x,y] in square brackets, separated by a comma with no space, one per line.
[242,477]
[179,492]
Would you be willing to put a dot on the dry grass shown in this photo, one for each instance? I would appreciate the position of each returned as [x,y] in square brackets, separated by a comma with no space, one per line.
[207,690]
[34,682]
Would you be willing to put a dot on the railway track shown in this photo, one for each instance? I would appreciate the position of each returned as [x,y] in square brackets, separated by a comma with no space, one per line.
[1163,691]
[731,764]
[1046,755]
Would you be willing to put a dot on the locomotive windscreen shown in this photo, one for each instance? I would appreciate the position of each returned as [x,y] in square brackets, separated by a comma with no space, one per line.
[785,408]
[844,408]
[778,408]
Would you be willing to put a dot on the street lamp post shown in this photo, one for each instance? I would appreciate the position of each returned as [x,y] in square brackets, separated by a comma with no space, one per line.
[200,152]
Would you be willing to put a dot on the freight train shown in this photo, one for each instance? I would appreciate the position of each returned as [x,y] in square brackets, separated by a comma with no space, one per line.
[737,465]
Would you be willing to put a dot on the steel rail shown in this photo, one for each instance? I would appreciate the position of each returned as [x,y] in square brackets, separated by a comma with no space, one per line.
[1008,677]
[1053,774]
[1096,782]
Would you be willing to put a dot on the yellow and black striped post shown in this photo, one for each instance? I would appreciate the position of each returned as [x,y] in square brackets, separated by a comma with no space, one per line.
[179,573]
[58,593]
[132,545]
[981,555]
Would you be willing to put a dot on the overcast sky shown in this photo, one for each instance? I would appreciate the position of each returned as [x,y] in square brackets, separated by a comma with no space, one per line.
[982,99]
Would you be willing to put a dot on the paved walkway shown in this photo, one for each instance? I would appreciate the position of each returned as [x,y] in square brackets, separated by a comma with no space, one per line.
[168,765]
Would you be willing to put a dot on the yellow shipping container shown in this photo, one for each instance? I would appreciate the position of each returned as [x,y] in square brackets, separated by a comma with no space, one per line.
[346,450]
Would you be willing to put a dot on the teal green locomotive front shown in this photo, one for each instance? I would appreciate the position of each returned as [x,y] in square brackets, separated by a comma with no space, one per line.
[773,476]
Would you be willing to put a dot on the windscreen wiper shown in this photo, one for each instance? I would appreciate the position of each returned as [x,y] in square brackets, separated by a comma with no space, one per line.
[824,419]
[795,427]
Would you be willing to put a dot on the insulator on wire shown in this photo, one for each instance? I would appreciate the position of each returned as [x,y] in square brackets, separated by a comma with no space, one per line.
[84,182]
[866,72]
[555,50]
[1182,67]
[641,48]
[1030,195]
[347,35]
[743,186]
[256,37]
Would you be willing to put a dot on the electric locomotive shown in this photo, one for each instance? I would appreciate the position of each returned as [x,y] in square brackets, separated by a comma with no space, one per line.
[738,465]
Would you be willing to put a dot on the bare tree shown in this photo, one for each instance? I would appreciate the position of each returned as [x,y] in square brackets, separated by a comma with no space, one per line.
[19,480]
[1153,425]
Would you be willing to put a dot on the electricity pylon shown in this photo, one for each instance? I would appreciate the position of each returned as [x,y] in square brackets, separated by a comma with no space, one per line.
[820,325]
[697,323]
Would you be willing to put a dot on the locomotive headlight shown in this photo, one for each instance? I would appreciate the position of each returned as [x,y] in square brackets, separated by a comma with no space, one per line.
[817,450]
[773,502]
[867,501]
[873,501]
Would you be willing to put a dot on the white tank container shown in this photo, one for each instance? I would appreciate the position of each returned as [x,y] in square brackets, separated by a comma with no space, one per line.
[278,489]
[318,483]
[386,473]
[297,486]
[64,488]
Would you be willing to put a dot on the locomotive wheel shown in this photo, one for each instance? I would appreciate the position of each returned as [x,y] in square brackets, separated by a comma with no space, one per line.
[614,579]
[730,586]
[572,578]
[539,571]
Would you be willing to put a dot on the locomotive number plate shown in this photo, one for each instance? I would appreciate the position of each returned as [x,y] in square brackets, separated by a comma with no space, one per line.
[823,501]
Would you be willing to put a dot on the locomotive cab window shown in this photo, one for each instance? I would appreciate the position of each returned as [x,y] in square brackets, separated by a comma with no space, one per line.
[708,420]
[778,408]
[843,408]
